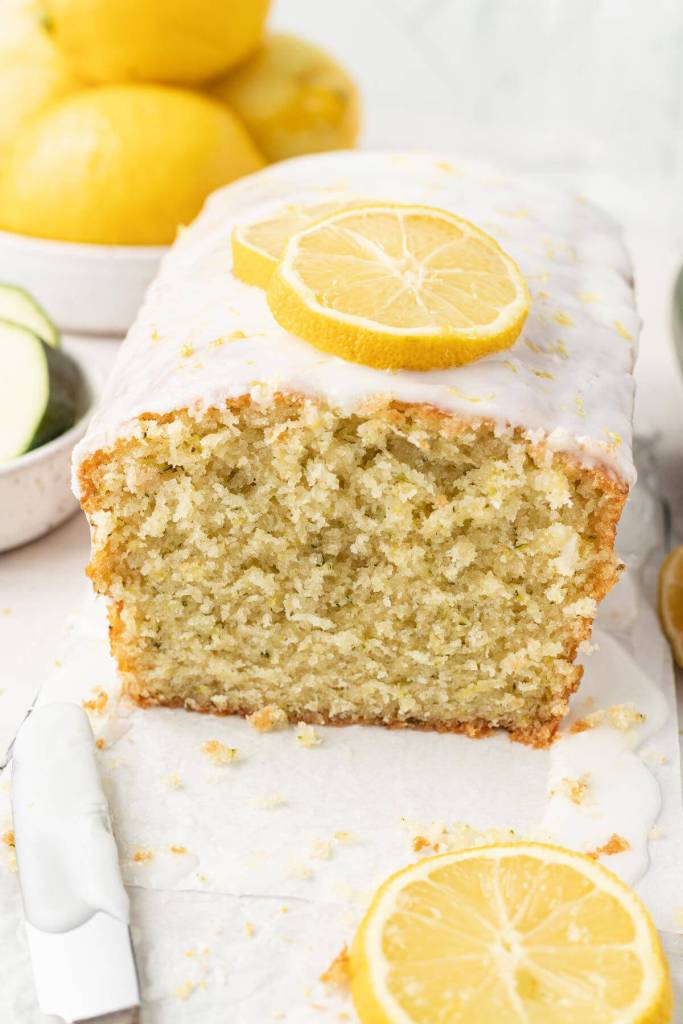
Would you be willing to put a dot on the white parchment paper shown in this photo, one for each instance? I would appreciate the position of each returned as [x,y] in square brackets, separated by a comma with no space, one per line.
[247,878]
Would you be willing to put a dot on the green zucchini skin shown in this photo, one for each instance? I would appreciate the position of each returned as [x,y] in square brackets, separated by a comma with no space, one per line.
[21,308]
[62,405]
[40,391]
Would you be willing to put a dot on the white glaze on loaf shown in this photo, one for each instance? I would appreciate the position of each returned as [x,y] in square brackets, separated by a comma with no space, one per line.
[203,337]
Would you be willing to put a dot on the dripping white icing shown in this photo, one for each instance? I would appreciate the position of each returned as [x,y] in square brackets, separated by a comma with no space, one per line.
[617,793]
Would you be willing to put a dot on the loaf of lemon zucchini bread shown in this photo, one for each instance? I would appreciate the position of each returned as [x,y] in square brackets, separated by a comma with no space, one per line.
[276,526]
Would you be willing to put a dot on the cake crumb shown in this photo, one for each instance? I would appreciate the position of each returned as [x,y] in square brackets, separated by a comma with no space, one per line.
[321,849]
[307,736]
[268,718]
[219,752]
[345,838]
[249,929]
[338,974]
[180,850]
[615,844]
[141,856]
[436,836]
[620,716]
[622,331]
[300,871]
[99,743]
[563,318]
[654,756]
[268,801]
[8,838]
[185,989]
[98,703]
[574,789]
[186,351]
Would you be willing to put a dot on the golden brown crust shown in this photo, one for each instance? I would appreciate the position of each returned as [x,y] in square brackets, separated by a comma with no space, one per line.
[540,736]
[603,577]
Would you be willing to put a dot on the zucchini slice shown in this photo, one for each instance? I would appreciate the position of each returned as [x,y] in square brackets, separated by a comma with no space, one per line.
[19,307]
[39,388]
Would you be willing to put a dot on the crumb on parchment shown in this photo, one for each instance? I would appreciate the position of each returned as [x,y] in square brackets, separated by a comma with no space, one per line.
[268,718]
[574,789]
[96,704]
[307,736]
[268,801]
[437,836]
[338,974]
[615,844]
[142,856]
[185,989]
[219,752]
[620,716]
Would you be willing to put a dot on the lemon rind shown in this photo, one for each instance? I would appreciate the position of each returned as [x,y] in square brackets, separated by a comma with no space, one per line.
[362,340]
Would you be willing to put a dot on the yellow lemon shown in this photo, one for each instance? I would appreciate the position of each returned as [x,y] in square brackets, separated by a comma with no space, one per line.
[522,933]
[257,247]
[294,99]
[121,165]
[170,41]
[396,286]
[33,72]
[671,601]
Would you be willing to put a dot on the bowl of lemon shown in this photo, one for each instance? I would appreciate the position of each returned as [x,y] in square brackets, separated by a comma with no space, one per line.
[120,117]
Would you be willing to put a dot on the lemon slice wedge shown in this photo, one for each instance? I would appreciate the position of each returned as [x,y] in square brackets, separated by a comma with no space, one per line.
[671,601]
[520,933]
[395,286]
[256,248]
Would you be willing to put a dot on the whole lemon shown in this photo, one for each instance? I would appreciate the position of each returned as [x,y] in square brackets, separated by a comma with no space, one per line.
[294,98]
[121,164]
[33,72]
[171,41]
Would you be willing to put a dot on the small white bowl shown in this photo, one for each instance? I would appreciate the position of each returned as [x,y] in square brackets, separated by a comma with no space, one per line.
[35,488]
[87,289]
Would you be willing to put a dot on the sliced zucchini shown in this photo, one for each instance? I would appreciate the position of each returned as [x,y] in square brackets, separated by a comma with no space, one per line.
[19,307]
[39,388]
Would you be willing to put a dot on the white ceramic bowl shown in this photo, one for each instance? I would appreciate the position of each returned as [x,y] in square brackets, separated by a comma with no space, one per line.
[35,488]
[86,289]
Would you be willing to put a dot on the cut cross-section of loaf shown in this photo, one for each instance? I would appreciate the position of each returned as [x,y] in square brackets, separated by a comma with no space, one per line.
[276,526]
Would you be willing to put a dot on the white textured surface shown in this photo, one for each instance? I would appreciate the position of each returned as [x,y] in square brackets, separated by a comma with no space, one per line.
[254,831]
[568,377]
